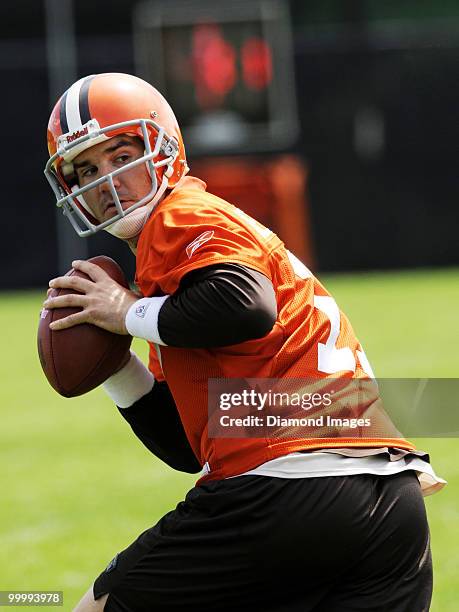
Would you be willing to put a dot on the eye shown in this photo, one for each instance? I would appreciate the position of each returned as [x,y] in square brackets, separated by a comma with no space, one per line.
[124,158]
[89,171]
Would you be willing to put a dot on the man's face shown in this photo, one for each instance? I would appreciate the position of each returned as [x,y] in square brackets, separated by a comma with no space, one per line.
[103,158]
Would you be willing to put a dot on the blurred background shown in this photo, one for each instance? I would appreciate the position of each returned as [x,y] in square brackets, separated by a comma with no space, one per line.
[336,123]
[333,122]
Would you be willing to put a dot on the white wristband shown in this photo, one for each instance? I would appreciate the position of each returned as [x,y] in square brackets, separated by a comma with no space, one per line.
[142,319]
[130,383]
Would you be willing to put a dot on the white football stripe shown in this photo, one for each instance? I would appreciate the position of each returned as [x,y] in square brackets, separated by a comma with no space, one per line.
[72,106]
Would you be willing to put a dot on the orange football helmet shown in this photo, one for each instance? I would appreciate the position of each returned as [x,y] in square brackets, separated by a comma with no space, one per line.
[99,107]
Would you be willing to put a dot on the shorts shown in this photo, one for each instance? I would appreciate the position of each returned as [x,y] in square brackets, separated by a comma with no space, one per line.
[330,544]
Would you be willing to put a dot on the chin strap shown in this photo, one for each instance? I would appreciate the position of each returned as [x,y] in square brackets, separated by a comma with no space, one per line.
[133,223]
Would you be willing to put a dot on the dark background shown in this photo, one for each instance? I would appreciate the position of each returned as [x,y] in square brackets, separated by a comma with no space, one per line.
[396,207]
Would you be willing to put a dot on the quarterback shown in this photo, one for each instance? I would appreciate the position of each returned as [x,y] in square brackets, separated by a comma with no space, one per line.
[292,523]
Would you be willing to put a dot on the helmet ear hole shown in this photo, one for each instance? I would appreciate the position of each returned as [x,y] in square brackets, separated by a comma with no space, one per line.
[68,170]
[68,174]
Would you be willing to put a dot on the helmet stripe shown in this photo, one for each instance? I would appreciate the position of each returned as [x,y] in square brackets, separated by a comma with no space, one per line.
[84,100]
[62,115]
[72,106]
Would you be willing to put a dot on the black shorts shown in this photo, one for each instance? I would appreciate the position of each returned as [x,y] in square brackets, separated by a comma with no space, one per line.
[335,544]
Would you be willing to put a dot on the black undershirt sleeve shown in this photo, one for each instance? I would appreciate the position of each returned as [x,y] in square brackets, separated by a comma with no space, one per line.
[214,306]
[155,421]
[218,305]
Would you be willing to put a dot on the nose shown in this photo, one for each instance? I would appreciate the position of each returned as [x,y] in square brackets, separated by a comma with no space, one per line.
[105,169]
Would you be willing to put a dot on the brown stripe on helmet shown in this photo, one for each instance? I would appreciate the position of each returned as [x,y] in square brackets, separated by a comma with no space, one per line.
[83,100]
[63,114]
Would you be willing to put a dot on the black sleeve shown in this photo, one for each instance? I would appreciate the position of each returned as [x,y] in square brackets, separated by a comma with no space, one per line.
[218,305]
[155,421]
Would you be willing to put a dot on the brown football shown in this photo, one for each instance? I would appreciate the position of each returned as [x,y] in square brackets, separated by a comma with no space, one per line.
[80,358]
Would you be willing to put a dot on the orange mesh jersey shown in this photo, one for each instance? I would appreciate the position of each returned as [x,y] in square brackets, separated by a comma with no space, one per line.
[310,339]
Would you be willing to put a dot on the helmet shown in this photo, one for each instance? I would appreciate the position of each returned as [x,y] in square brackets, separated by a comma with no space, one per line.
[97,108]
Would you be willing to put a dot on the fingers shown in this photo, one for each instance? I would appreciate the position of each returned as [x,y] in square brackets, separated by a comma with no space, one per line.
[76,283]
[103,302]
[71,300]
[94,272]
[70,321]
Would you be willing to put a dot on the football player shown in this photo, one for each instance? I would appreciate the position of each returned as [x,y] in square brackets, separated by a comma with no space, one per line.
[299,522]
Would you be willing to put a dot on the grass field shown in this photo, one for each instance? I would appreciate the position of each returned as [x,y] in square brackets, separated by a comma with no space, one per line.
[76,486]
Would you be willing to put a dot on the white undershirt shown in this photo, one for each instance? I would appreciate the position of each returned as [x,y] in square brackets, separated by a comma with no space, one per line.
[318,464]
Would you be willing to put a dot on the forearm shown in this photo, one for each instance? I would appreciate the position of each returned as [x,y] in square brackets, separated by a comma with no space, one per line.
[214,306]
[149,408]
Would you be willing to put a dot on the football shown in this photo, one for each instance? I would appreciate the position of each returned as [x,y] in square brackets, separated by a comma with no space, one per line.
[80,358]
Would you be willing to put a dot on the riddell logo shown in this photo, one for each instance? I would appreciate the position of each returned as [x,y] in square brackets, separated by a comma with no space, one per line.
[198,242]
[77,134]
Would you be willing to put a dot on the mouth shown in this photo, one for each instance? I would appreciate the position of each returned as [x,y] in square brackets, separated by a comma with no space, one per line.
[110,209]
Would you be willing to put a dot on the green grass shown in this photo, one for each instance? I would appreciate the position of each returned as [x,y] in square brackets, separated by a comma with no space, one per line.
[76,486]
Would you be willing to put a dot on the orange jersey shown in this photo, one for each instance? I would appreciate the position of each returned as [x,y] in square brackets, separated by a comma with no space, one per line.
[311,338]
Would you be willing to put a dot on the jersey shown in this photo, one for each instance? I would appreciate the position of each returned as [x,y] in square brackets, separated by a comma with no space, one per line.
[311,339]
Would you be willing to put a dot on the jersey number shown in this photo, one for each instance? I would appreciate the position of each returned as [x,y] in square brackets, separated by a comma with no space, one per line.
[331,359]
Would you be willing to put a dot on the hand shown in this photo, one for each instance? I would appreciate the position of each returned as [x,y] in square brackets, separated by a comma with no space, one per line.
[103,301]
